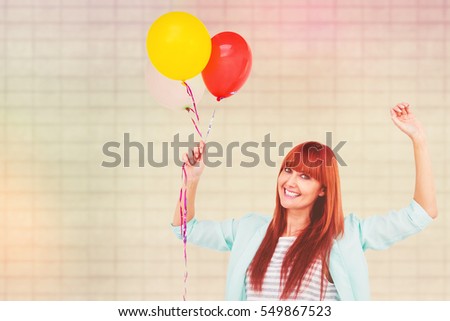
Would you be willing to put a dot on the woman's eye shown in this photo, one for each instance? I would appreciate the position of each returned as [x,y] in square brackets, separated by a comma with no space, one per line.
[287,170]
[304,176]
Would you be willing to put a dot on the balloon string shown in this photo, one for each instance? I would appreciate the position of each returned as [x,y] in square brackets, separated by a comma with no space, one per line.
[194,105]
[183,193]
[196,127]
[183,225]
[183,190]
[193,109]
[210,124]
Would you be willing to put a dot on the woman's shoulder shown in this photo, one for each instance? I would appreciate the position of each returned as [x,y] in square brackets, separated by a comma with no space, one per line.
[251,223]
[353,223]
[351,219]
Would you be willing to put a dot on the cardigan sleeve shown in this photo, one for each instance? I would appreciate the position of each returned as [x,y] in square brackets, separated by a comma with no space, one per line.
[381,231]
[211,234]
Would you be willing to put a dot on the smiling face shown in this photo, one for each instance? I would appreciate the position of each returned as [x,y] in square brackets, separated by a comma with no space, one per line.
[298,191]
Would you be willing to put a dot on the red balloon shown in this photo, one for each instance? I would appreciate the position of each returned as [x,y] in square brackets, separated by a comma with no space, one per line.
[229,65]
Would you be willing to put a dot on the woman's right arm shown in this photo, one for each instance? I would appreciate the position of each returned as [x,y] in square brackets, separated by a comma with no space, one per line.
[211,234]
[194,167]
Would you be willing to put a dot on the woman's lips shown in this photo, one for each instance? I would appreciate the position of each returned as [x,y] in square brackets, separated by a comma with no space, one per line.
[290,194]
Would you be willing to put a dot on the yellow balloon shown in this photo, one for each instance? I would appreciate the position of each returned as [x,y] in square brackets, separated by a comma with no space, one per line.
[178,45]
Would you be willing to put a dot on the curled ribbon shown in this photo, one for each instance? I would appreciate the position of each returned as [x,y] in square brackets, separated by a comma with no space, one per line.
[183,190]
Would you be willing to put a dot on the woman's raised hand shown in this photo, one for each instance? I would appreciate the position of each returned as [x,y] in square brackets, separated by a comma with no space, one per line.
[193,162]
[404,119]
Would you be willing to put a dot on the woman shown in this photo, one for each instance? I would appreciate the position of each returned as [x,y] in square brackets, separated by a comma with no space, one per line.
[308,250]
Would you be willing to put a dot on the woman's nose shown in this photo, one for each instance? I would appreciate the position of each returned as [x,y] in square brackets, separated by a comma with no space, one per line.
[291,180]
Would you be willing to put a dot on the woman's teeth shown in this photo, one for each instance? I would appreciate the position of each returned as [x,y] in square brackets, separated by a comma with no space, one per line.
[290,194]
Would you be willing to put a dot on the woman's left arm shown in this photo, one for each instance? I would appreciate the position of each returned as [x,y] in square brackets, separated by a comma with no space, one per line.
[425,192]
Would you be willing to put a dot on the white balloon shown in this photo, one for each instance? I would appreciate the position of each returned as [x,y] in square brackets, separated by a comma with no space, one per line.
[171,93]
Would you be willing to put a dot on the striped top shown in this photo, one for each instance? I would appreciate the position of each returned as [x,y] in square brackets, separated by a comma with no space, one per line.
[309,291]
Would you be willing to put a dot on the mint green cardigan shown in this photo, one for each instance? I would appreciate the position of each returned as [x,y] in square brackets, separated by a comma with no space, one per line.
[348,266]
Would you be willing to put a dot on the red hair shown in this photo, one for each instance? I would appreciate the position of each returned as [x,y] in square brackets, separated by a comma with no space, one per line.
[314,242]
